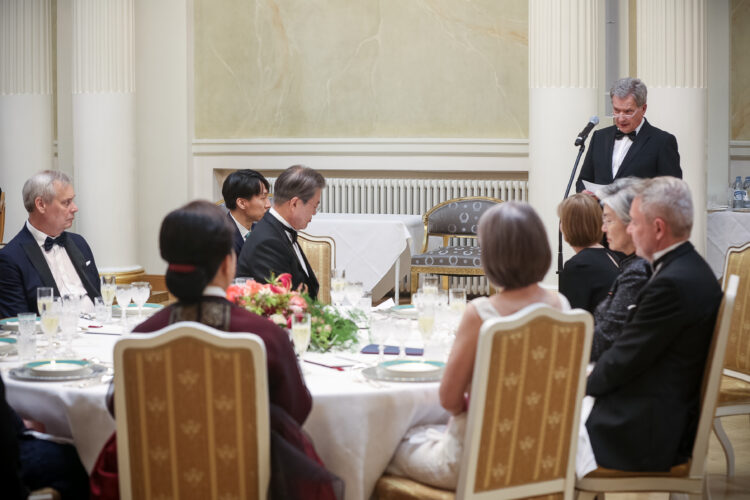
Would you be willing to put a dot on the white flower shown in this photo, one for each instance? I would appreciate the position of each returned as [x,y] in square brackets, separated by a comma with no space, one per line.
[279,319]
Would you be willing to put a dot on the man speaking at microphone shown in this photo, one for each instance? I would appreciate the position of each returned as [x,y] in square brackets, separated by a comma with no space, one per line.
[632,147]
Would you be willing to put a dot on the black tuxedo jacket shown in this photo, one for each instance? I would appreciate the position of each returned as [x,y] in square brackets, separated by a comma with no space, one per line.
[647,384]
[23,269]
[238,239]
[652,154]
[268,250]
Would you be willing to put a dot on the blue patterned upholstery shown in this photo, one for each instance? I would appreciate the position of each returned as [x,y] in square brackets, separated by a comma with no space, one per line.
[458,256]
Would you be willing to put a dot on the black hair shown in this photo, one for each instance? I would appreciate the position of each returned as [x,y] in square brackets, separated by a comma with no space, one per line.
[194,240]
[243,183]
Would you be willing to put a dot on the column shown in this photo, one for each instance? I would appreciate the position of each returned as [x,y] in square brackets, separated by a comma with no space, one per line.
[563,38]
[672,62]
[25,100]
[104,130]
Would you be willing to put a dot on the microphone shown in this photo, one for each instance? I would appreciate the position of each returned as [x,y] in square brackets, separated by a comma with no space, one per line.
[593,122]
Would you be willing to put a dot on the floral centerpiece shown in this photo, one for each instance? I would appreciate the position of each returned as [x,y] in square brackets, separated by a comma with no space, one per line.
[277,301]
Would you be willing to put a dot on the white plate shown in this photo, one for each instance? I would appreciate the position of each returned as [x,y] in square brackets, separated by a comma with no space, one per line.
[410,368]
[59,367]
[148,310]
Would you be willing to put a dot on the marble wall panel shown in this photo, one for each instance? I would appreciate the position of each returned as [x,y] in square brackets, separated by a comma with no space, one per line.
[740,63]
[361,68]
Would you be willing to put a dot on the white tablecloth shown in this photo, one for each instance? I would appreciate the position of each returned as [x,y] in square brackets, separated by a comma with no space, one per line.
[355,425]
[724,230]
[369,245]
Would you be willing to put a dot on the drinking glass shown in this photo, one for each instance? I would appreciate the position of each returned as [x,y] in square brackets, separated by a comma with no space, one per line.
[379,327]
[338,286]
[68,325]
[430,284]
[124,293]
[353,292]
[301,331]
[43,294]
[457,300]
[426,318]
[26,342]
[109,289]
[101,310]
[141,293]
[50,314]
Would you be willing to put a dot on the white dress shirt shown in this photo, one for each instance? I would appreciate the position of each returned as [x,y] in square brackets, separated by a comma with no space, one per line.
[622,146]
[63,271]
[294,245]
[243,230]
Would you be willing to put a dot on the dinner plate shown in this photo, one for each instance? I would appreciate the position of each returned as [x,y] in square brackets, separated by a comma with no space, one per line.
[11,324]
[405,310]
[148,310]
[376,373]
[58,367]
[25,373]
[7,345]
[411,367]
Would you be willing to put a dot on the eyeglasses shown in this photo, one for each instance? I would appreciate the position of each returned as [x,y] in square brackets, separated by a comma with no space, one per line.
[625,116]
[607,221]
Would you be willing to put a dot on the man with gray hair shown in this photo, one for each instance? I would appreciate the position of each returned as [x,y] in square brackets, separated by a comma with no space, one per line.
[632,147]
[271,248]
[647,384]
[43,254]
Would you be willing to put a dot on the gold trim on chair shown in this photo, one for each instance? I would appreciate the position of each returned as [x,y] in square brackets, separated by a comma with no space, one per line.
[321,254]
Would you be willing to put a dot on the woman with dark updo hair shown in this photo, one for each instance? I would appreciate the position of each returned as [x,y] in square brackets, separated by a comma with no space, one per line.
[196,242]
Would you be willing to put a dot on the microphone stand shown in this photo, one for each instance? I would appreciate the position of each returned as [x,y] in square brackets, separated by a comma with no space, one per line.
[559,230]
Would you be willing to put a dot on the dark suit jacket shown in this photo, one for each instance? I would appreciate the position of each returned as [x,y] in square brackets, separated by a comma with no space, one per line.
[268,251]
[238,239]
[10,462]
[23,269]
[647,384]
[652,154]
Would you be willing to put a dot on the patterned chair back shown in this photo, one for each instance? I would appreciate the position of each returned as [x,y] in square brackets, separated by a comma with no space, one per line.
[458,217]
[321,254]
[738,346]
[192,414]
[523,420]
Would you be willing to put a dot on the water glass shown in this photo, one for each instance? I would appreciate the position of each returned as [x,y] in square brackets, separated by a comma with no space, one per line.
[430,284]
[44,294]
[101,310]
[353,292]
[68,326]
[141,293]
[457,300]
[124,294]
[379,328]
[301,331]
[26,342]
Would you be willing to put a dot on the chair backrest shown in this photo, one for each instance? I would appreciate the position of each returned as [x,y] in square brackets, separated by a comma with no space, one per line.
[738,346]
[524,411]
[2,215]
[321,254]
[712,375]
[456,218]
[192,414]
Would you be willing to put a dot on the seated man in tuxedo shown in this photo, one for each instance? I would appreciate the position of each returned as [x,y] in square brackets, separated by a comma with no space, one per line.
[272,249]
[246,197]
[647,384]
[43,253]
[632,147]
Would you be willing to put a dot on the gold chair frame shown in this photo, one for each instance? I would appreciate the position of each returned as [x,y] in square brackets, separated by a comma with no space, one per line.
[321,254]
[445,271]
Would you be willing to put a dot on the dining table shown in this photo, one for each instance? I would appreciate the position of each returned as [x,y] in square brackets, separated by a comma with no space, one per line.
[356,422]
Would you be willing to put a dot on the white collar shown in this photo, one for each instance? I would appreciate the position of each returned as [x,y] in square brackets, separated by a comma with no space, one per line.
[661,253]
[281,219]
[243,230]
[214,291]
[38,235]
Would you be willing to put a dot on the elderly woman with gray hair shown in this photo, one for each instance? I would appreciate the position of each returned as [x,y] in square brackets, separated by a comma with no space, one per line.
[610,314]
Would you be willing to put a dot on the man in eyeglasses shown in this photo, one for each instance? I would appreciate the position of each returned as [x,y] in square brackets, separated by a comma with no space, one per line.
[632,147]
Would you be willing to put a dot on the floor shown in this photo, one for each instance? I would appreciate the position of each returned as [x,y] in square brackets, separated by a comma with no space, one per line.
[721,487]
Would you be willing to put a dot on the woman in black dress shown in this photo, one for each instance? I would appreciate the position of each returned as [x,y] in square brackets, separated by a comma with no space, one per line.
[588,275]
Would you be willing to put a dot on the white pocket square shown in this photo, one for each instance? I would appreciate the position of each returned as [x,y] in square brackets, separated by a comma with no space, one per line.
[631,306]
[87,262]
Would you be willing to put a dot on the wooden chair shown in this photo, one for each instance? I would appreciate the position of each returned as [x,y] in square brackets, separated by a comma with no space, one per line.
[522,427]
[685,478]
[456,218]
[2,215]
[192,414]
[734,393]
[321,254]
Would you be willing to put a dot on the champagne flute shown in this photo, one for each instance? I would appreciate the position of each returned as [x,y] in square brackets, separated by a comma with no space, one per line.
[141,293]
[124,293]
[50,313]
[44,294]
[301,332]
[338,286]
[109,288]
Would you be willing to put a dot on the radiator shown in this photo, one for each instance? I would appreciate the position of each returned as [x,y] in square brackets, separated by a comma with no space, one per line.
[415,197]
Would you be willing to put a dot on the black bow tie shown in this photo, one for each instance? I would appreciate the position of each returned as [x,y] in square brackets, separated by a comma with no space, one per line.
[292,233]
[619,134]
[50,242]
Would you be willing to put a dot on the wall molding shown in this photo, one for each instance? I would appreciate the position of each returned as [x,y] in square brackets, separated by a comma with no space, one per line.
[739,150]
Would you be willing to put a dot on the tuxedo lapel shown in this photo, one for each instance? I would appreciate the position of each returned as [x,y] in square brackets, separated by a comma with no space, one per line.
[640,142]
[310,278]
[34,253]
[76,257]
[610,143]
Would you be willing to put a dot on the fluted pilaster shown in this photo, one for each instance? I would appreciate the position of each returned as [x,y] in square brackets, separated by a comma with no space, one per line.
[25,99]
[563,56]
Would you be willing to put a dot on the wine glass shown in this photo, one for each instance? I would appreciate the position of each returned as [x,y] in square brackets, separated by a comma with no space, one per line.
[430,284]
[109,288]
[301,332]
[124,293]
[425,316]
[141,293]
[379,326]
[338,286]
[50,314]
[44,294]
[353,292]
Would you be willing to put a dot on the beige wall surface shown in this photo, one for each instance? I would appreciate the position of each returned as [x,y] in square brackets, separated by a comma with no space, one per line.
[361,68]
[740,65]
